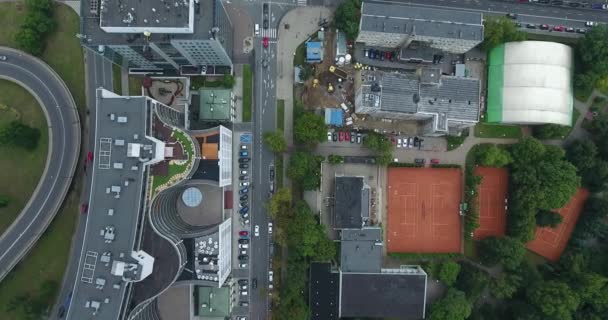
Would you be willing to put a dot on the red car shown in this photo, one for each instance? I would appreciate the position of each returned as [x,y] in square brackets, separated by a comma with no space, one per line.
[435,161]
[90,156]
[388,55]
[265,42]
[243,233]
[393,141]
[558,28]
[347,136]
[341,136]
[84,208]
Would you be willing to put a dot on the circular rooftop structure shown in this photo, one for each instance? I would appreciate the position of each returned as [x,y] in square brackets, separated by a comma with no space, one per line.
[192,197]
[530,82]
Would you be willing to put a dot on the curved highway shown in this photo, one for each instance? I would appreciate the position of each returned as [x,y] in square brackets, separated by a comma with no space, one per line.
[64,145]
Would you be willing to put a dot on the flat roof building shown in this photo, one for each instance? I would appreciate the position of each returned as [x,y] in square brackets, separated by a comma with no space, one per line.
[216,105]
[314,51]
[530,82]
[351,207]
[324,290]
[394,26]
[212,303]
[111,258]
[361,250]
[443,103]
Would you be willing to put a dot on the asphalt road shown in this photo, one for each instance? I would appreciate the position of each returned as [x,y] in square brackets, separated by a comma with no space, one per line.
[64,145]
[98,74]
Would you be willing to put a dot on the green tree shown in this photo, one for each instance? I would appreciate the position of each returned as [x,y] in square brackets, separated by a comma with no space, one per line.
[498,30]
[347,16]
[592,51]
[335,159]
[38,23]
[589,286]
[280,202]
[551,131]
[546,218]
[472,281]
[449,272]
[505,285]
[555,299]
[582,154]
[454,306]
[381,145]
[4,200]
[309,129]
[305,169]
[275,141]
[591,221]
[506,251]
[490,155]
[20,135]
[228,81]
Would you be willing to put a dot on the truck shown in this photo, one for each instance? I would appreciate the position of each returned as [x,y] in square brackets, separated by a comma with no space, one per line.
[338,72]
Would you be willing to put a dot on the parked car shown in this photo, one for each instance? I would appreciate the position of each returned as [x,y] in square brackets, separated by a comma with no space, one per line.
[570,29]
[242,265]
[590,24]
[270,274]
[244,172]
[353,137]
[243,257]
[244,210]
[244,191]
[243,147]
[84,208]
[244,160]
[381,54]
[410,142]
[581,30]
[359,138]
[244,153]
[243,177]
[335,136]
[341,136]
[366,53]
[244,197]
[544,27]
[243,252]
[243,246]
[243,240]
[419,161]
[269,227]
[558,28]
[347,136]
[243,304]
[244,292]
[243,166]
[388,55]
[399,143]
[329,135]
[435,161]
[244,233]
[531,26]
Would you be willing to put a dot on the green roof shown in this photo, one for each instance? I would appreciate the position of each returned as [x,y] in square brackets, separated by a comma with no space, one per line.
[496,61]
[213,302]
[215,104]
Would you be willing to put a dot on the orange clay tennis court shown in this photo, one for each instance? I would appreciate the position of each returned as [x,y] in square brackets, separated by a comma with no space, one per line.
[549,242]
[423,210]
[491,202]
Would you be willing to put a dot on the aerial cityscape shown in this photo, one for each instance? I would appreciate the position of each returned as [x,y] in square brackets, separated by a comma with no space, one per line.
[303,159]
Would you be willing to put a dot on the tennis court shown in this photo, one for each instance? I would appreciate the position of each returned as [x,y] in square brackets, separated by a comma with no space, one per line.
[423,210]
[491,202]
[549,242]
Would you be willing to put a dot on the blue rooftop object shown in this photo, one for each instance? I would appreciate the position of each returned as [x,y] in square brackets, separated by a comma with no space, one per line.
[333,117]
[314,51]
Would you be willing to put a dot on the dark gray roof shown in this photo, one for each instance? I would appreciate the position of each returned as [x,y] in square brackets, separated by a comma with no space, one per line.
[347,212]
[398,93]
[430,22]
[157,13]
[116,200]
[361,250]
[385,295]
[324,286]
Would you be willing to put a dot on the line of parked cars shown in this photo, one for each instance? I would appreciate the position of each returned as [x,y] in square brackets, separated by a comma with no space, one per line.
[244,159]
[243,245]
[380,55]
[346,136]
[407,142]
[573,4]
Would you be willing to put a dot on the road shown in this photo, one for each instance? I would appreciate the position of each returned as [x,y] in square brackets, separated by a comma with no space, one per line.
[98,74]
[64,145]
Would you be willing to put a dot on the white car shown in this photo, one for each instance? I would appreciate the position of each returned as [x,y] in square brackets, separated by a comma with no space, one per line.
[399,143]
[243,265]
[256,230]
[243,287]
[590,24]
[3,58]
[244,292]
[243,147]
[244,184]
[269,227]
[328,135]
[243,245]
[270,274]
[244,172]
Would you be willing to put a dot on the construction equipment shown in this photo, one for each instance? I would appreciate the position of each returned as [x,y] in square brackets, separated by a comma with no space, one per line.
[315,83]
[338,72]
[330,87]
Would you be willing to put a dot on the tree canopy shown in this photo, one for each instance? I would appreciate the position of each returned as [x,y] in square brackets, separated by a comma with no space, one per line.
[454,306]
[305,169]
[506,251]
[309,129]
[20,135]
[490,155]
[591,54]
[555,299]
[505,285]
[546,218]
[498,30]
[38,23]
[551,131]
[347,16]
[275,141]
[449,272]
[381,145]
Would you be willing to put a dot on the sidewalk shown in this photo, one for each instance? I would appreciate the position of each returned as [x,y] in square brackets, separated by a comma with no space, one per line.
[237,90]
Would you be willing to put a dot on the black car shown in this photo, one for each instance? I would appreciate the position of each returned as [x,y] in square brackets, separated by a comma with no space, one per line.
[531,26]
[265,24]
[265,8]
[382,55]
[512,15]
[243,166]
[244,303]
[334,136]
[574,4]
[243,257]
[581,30]
[416,141]
[243,241]
[254,283]
[570,29]
[243,281]
[244,160]
[244,191]
[419,161]
[271,173]
[243,178]
[244,197]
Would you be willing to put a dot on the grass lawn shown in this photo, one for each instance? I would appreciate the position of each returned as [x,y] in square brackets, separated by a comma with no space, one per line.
[116,79]
[175,169]
[300,58]
[47,260]
[247,92]
[485,130]
[135,84]
[281,114]
[21,167]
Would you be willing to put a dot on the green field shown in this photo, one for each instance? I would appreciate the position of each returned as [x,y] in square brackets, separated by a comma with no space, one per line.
[247,92]
[281,114]
[47,260]
[22,168]
[485,130]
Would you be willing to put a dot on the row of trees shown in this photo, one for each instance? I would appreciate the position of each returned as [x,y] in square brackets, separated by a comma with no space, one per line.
[498,30]
[37,25]
[347,17]
[591,60]
[381,146]
[18,134]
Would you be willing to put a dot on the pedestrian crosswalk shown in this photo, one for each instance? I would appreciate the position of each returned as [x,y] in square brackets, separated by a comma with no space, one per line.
[270,33]
[302,3]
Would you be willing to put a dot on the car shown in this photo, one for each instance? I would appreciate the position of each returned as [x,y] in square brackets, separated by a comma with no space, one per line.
[341,136]
[590,24]
[557,2]
[265,24]
[347,136]
[269,227]
[244,197]
[243,246]
[410,142]
[581,30]
[393,56]
[334,136]
[419,161]
[246,221]
[381,54]
[512,15]
[90,156]
[388,55]
[544,1]
[244,160]
[366,53]
[243,304]
[244,154]
[244,172]
[271,186]
[574,4]
[244,210]
[243,147]
[243,177]
[254,283]
[265,42]
[257,29]
[558,28]
[416,141]
[531,26]
[244,292]
[544,27]
[435,161]
[270,274]
[243,166]
[359,138]
[329,135]
[271,172]
[270,288]
[244,241]
[256,230]
[244,191]
[84,208]
[245,215]
[353,137]
[265,8]
[242,265]
[597,6]
[570,29]
[243,252]
[399,143]
[243,233]
[243,257]
[393,141]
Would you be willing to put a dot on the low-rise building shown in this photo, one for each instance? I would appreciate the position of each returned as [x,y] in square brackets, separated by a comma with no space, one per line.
[352,201]
[442,103]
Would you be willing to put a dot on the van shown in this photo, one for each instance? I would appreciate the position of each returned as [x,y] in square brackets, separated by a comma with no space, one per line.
[257,29]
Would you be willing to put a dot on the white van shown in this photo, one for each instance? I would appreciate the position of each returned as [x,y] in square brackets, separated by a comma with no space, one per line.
[257,29]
